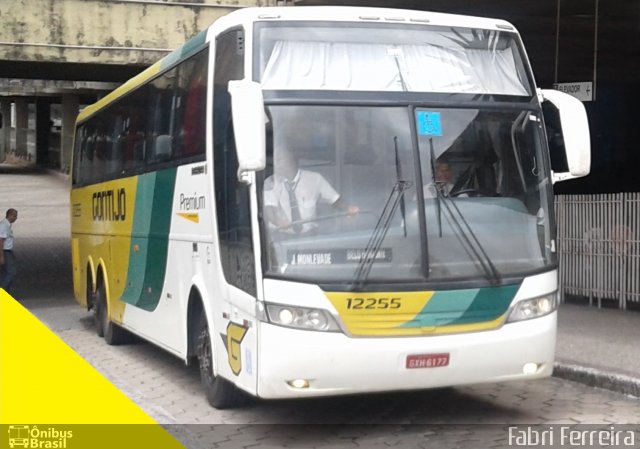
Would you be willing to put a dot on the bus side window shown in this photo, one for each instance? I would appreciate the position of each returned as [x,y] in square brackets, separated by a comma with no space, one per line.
[81,161]
[102,147]
[191,107]
[114,163]
[134,130]
[161,117]
[232,196]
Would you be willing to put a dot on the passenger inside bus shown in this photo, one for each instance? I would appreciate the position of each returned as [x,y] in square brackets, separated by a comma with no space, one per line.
[291,196]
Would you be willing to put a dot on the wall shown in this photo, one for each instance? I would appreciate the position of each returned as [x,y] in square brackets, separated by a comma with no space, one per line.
[105,31]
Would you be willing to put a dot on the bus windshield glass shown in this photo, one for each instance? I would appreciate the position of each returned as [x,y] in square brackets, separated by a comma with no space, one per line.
[383,57]
[367,182]
[347,193]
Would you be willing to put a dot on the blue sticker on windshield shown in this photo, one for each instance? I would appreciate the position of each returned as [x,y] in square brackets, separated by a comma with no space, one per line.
[429,123]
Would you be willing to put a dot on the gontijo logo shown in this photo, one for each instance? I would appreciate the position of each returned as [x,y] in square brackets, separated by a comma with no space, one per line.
[33,437]
[109,205]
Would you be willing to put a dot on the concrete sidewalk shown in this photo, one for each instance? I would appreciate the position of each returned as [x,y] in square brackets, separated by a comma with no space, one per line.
[42,231]
[599,347]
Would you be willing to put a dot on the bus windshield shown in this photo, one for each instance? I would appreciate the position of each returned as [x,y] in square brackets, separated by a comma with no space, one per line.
[400,153]
[423,193]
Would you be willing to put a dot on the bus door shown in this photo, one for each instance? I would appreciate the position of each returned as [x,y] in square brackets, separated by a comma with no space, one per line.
[239,326]
[238,329]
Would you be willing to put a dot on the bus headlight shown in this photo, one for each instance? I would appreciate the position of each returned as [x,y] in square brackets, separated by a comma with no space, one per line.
[301,318]
[534,308]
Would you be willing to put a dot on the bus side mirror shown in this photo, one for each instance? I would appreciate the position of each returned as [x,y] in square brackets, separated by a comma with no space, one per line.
[247,109]
[566,120]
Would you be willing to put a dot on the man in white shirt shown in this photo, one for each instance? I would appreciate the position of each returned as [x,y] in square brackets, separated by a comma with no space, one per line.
[8,268]
[292,194]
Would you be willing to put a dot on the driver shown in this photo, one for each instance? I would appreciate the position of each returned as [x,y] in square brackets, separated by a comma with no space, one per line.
[291,195]
[443,181]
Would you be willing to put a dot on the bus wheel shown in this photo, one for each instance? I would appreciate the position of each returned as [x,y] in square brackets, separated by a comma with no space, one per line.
[220,393]
[99,311]
[112,333]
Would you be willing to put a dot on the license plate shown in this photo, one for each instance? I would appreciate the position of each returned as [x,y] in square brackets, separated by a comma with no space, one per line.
[427,360]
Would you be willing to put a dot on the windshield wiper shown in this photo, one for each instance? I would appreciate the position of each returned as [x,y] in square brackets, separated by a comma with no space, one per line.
[403,83]
[435,186]
[396,198]
[468,236]
[399,179]
[379,233]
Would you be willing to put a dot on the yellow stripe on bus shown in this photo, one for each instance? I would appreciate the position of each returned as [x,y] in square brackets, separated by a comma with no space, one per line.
[387,313]
[102,223]
[190,216]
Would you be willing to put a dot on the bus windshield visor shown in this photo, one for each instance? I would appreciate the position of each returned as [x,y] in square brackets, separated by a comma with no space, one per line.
[354,193]
[411,58]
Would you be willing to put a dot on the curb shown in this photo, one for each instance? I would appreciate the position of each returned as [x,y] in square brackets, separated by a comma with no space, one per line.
[594,377]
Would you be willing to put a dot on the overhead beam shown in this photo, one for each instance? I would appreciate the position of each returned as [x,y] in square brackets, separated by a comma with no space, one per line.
[137,32]
[30,88]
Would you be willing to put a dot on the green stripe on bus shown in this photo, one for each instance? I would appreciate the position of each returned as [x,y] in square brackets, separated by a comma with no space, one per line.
[139,238]
[158,239]
[489,304]
[150,239]
[453,307]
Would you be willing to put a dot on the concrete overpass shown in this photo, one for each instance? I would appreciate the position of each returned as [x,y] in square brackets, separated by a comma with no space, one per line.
[56,55]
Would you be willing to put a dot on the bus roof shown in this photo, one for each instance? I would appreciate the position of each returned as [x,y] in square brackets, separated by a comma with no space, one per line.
[247,16]
[359,14]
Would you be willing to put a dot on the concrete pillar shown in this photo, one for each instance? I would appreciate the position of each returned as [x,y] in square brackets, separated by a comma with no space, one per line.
[43,130]
[70,108]
[5,130]
[22,127]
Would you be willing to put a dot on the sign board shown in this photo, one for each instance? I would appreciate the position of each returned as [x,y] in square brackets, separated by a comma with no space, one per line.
[583,91]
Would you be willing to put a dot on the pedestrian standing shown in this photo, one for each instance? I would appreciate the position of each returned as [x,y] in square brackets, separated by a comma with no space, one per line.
[8,267]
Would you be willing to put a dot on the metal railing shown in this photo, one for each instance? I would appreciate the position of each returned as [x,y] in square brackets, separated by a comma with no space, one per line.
[599,246]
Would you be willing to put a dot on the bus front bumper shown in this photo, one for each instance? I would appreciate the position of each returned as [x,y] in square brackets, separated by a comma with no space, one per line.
[325,364]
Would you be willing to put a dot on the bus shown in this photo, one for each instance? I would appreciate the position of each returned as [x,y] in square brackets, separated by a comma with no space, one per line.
[313,201]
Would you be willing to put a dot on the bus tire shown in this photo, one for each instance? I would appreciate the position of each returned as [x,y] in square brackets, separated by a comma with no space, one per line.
[98,311]
[112,333]
[220,393]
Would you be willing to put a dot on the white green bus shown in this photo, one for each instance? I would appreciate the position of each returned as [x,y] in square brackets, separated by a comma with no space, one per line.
[315,201]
